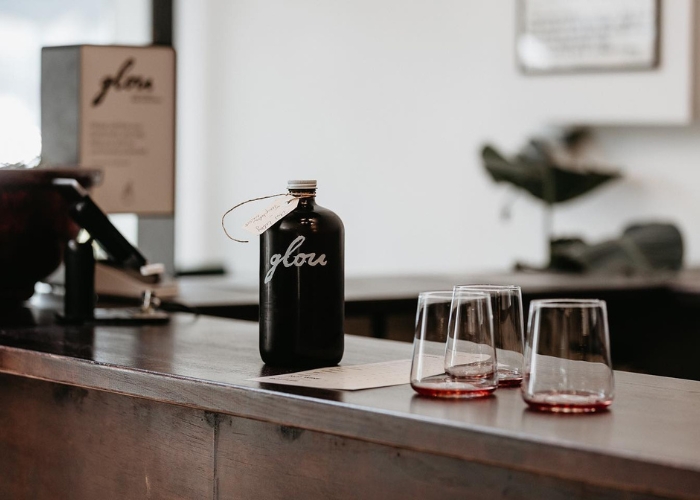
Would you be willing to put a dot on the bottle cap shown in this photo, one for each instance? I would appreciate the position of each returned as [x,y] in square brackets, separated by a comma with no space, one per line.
[301,184]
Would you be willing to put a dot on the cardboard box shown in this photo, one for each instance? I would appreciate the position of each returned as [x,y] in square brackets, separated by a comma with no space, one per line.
[113,107]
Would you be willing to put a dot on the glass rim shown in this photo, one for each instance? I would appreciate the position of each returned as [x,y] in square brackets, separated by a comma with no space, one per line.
[568,303]
[471,295]
[449,294]
[488,287]
[435,293]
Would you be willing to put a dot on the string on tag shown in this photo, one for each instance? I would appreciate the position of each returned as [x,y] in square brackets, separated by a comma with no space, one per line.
[223,217]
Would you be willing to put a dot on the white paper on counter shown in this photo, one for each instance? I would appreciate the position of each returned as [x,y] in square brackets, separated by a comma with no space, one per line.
[367,376]
[353,377]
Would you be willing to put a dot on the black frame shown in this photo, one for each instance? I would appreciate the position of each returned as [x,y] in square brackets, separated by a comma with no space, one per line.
[162,22]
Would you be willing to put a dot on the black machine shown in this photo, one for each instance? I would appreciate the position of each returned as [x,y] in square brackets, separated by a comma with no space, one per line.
[122,255]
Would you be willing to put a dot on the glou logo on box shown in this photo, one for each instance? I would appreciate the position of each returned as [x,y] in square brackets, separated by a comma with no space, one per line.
[122,80]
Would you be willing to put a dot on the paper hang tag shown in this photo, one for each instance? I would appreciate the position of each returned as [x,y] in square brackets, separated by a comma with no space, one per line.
[265,219]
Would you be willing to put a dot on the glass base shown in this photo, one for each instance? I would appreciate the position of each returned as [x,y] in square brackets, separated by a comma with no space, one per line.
[445,386]
[509,378]
[568,402]
[509,382]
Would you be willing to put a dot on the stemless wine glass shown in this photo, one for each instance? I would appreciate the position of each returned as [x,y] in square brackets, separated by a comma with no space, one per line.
[428,374]
[507,308]
[470,354]
[428,377]
[567,357]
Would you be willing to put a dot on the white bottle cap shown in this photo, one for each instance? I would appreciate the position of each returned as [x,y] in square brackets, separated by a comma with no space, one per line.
[301,184]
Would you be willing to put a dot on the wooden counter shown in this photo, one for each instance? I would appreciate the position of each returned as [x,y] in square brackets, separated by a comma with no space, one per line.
[654,319]
[225,297]
[168,412]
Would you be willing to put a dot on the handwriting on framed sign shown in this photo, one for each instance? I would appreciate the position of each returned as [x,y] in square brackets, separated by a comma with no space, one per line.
[587,35]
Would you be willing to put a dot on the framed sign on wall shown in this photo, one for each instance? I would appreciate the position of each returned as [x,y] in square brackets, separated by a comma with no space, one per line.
[587,35]
[113,107]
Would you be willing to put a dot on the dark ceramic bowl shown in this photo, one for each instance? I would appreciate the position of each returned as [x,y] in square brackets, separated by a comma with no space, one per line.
[34,227]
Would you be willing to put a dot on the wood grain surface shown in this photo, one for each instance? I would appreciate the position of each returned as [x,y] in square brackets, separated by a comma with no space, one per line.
[262,460]
[59,441]
[647,444]
[64,442]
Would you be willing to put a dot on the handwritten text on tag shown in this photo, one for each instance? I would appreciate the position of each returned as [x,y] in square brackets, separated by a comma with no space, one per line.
[267,218]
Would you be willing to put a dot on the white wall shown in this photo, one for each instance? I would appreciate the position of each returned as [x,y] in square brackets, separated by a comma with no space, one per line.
[662,168]
[386,103]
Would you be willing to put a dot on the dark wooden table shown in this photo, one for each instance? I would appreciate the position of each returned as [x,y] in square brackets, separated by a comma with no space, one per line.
[169,412]
[654,319]
[225,297]
[386,295]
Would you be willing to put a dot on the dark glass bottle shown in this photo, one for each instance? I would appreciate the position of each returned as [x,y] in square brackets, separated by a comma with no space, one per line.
[302,296]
